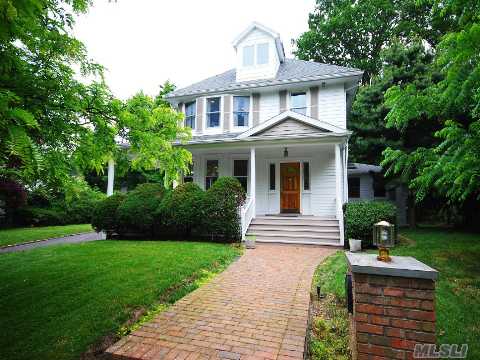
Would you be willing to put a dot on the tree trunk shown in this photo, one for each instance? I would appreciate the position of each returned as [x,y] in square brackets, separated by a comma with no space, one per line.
[412,221]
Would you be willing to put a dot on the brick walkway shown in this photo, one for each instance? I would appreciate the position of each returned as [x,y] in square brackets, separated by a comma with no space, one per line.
[256,309]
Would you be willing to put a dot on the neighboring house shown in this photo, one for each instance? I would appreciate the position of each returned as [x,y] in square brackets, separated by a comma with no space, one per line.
[279,126]
[366,182]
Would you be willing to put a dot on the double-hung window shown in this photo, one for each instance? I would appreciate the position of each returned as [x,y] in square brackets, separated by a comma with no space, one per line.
[298,102]
[212,173]
[241,109]
[240,171]
[213,112]
[190,114]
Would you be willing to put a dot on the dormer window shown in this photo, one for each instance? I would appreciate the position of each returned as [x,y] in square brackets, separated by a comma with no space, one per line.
[298,102]
[241,110]
[256,54]
[248,55]
[190,114]
[262,54]
[213,112]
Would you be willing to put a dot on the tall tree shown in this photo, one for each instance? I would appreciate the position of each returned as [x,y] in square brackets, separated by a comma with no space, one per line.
[353,33]
[51,123]
[402,66]
[450,165]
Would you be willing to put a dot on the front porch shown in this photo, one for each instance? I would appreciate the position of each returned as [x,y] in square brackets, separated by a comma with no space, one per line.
[306,180]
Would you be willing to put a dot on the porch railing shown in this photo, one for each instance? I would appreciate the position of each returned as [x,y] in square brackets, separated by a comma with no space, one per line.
[246,215]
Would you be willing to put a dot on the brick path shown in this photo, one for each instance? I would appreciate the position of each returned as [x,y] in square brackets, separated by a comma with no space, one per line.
[256,309]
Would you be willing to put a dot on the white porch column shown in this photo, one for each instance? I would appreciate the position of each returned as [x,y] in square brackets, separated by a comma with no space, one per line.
[252,178]
[338,178]
[111,175]
[339,190]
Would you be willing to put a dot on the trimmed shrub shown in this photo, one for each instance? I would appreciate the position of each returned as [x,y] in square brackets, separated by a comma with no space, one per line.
[38,216]
[181,210]
[362,215]
[136,213]
[104,217]
[222,219]
[79,209]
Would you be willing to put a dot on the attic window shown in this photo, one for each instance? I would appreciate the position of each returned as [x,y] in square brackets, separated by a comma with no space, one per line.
[248,55]
[262,54]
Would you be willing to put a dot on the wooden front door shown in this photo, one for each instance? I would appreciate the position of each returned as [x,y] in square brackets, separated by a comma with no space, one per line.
[290,187]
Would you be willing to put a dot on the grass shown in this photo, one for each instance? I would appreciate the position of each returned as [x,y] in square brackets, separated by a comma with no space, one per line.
[57,301]
[328,335]
[21,235]
[456,256]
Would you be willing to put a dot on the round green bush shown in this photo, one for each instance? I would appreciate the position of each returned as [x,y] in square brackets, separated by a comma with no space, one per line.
[136,213]
[221,209]
[181,210]
[362,215]
[104,214]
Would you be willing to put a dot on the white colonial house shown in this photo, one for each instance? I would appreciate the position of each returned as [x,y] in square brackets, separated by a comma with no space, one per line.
[280,127]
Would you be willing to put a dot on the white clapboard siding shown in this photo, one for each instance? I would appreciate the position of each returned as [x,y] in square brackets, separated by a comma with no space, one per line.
[269,105]
[332,106]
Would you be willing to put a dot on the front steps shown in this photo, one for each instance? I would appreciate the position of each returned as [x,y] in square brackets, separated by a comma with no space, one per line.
[300,229]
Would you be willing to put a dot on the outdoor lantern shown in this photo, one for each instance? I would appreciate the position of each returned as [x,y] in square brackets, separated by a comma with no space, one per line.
[285,152]
[383,238]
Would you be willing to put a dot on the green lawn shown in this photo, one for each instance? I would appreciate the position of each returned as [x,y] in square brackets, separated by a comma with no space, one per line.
[21,235]
[456,256]
[56,301]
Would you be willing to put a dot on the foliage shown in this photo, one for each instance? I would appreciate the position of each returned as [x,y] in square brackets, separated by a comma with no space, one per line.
[221,203]
[57,115]
[22,235]
[451,164]
[181,210]
[12,196]
[38,216]
[136,213]
[112,280]
[455,255]
[347,33]
[360,216]
[402,66]
[104,217]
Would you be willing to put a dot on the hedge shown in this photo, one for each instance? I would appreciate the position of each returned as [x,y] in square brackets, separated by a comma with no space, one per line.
[105,213]
[362,215]
[136,213]
[181,210]
[221,203]
[183,213]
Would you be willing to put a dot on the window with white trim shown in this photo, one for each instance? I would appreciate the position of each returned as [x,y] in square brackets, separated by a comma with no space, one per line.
[262,54]
[240,172]
[190,114]
[213,112]
[248,55]
[298,102]
[241,110]
[212,173]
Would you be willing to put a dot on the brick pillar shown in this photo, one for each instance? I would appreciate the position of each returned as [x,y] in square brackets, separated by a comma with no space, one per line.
[393,306]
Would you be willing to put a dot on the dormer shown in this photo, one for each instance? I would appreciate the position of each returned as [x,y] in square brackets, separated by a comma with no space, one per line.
[259,53]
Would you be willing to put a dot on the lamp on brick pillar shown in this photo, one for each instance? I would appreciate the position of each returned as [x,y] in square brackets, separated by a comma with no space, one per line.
[384,238]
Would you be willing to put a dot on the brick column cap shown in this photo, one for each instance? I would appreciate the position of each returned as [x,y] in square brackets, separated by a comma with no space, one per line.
[400,266]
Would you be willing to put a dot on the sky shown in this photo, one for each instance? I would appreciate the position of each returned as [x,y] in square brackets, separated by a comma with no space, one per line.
[143,43]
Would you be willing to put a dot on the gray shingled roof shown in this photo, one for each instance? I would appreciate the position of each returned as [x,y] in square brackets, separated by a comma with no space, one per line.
[291,70]
[358,168]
